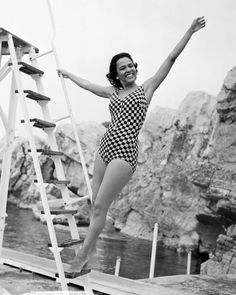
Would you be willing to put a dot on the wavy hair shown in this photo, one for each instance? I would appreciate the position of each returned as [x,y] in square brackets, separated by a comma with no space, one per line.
[112,75]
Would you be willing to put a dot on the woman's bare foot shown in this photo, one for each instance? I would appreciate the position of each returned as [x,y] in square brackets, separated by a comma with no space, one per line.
[82,260]
[79,262]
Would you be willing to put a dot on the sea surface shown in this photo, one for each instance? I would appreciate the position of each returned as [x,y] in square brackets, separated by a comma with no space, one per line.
[24,233]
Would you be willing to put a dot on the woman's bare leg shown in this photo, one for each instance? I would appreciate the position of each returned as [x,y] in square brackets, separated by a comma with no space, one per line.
[98,174]
[117,175]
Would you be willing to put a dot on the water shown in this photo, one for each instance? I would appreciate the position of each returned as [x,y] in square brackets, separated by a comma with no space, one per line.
[23,233]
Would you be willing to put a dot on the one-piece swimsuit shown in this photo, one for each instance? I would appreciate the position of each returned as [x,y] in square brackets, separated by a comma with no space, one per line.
[120,141]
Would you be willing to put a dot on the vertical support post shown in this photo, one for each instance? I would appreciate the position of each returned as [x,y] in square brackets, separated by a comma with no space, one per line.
[0,53]
[4,119]
[5,70]
[189,262]
[6,164]
[87,286]
[154,248]
[117,269]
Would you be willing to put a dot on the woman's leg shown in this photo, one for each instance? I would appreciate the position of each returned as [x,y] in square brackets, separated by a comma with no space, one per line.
[117,175]
[98,174]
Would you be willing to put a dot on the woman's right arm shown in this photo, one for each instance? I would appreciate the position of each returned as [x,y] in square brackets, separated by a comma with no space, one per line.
[98,90]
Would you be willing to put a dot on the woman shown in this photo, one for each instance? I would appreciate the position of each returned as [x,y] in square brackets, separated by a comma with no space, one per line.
[117,155]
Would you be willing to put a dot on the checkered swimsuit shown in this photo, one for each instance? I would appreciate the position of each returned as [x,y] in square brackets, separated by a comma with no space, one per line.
[121,138]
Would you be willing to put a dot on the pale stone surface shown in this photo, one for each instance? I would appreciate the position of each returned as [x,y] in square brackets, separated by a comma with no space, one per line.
[223,260]
[198,284]
[3,291]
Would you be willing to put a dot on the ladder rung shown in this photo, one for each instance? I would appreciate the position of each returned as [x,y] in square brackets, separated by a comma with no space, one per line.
[28,69]
[48,152]
[68,243]
[74,190]
[41,123]
[56,211]
[35,96]
[78,200]
[54,181]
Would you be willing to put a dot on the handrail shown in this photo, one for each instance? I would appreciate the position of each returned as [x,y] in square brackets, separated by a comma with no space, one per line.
[65,92]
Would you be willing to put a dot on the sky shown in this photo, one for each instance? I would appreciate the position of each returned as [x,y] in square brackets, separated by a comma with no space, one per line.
[90,32]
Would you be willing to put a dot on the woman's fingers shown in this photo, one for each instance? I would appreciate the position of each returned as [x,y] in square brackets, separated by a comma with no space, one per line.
[59,72]
[198,24]
[201,21]
[62,73]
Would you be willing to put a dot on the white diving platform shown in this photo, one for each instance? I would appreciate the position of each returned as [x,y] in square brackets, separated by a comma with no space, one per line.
[109,284]
[17,41]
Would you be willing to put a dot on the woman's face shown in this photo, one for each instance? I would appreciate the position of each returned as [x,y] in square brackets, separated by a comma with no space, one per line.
[126,71]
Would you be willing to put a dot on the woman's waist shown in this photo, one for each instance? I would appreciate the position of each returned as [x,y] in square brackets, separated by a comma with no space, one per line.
[118,135]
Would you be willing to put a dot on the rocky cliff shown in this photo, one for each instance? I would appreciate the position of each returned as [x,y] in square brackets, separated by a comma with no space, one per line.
[185,179]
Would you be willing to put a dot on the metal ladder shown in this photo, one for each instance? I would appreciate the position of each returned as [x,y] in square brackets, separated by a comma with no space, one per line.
[17,48]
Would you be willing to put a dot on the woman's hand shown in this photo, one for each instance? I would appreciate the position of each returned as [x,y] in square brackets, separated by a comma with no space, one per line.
[64,73]
[198,24]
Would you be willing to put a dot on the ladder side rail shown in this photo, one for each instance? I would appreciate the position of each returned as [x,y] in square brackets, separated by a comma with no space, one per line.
[54,146]
[2,148]
[5,70]
[4,119]
[37,167]
[73,123]
[7,156]
[0,52]
[66,96]
[41,55]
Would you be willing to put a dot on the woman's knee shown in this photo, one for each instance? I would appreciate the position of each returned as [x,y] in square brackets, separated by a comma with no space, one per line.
[99,210]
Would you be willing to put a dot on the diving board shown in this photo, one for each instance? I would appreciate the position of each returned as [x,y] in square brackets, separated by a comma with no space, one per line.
[116,285]
[98,281]
[17,41]
[36,264]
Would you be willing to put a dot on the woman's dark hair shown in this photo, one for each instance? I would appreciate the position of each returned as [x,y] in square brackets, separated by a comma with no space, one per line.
[112,75]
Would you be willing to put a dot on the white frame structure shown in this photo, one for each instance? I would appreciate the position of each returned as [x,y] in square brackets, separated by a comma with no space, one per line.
[17,48]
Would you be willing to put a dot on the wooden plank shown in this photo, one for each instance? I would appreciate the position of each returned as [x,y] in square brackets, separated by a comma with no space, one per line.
[29,262]
[102,282]
[115,285]
[36,264]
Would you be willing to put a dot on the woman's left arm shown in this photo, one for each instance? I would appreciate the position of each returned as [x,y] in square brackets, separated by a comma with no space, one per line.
[153,83]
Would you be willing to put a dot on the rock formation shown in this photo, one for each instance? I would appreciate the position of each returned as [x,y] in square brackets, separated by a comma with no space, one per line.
[185,178]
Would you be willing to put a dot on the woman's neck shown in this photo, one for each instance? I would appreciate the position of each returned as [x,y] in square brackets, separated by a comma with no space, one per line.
[129,87]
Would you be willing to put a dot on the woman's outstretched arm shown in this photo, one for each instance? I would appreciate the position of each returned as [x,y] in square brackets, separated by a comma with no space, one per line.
[153,83]
[87,85]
